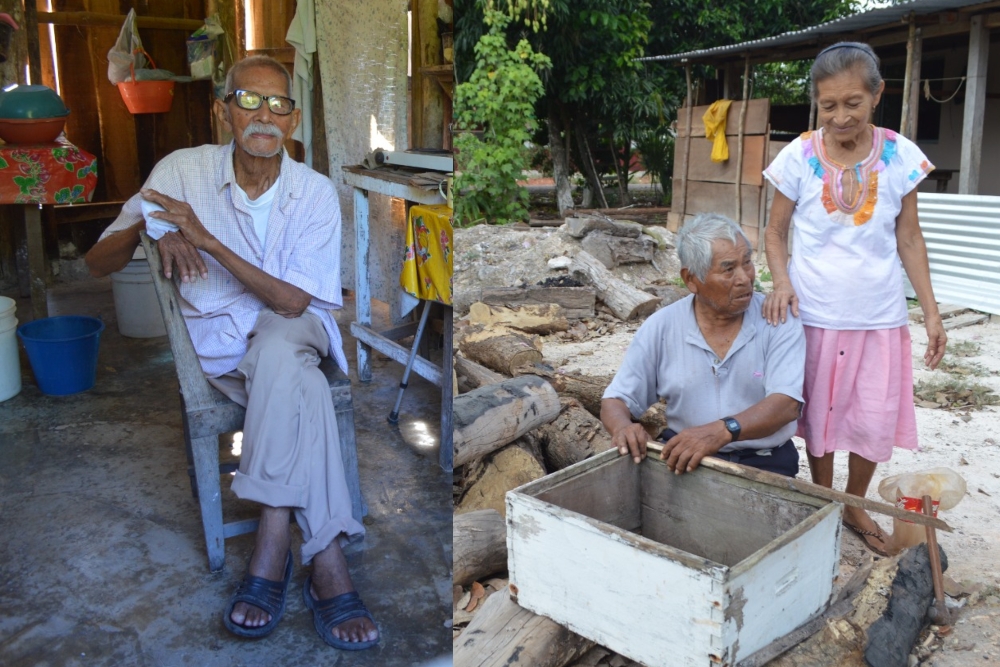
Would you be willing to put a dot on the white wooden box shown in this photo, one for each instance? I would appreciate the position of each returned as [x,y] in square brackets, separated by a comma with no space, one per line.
[696,570]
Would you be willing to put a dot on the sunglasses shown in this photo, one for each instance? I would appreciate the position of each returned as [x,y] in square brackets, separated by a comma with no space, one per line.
[249,100]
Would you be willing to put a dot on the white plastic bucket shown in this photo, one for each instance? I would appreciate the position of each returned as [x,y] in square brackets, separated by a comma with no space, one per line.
[10,363]
[136,306]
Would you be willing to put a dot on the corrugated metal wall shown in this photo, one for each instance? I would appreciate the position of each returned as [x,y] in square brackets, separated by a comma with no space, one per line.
[963,245]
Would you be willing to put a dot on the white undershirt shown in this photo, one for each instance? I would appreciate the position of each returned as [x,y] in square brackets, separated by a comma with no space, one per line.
[260,208]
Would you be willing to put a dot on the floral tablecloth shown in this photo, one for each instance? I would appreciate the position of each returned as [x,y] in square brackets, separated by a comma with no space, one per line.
[427,266]
[56,173]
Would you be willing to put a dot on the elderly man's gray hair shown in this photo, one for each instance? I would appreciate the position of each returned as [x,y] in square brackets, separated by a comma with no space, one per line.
[253,62]
[843,57]
[695,239]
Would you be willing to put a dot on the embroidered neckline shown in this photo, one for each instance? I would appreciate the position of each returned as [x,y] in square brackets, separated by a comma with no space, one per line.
[864,172]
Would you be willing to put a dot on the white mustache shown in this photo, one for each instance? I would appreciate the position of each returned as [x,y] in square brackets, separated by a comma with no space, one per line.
[260,128]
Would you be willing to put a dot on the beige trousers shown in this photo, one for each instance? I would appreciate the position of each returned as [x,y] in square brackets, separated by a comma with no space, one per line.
[291,447]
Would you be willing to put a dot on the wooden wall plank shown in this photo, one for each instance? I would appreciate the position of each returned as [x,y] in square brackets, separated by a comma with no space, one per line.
[705,197]
[690,512]
[704,169]
[117,126]
[758,113]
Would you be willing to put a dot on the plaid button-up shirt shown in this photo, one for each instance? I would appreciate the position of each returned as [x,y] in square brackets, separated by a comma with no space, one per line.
[302,248]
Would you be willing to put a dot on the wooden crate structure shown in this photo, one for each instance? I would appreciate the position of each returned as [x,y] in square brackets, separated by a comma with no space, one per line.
[696,570]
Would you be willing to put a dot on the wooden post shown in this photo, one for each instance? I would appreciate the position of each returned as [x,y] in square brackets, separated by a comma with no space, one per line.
[687,143]
[975,106]
[739,142]
[812,114]
[446,453]
[34,52]
[915,87]
[362,290]
[37,264]
[905,121]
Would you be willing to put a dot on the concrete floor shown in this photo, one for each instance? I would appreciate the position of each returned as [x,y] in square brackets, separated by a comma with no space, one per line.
[102,558]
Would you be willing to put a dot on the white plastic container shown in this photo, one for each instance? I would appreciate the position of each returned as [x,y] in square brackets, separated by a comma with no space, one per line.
[136,306]
[10,363]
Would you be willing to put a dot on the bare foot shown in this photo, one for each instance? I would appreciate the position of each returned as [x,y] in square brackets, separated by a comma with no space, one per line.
[330,578]
[268,562]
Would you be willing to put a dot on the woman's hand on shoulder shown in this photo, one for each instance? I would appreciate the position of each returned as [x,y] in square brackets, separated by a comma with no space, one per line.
[777,303]
[937,340]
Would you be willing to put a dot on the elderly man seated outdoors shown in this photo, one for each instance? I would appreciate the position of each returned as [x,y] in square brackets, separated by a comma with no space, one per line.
[257,249]
[732,383]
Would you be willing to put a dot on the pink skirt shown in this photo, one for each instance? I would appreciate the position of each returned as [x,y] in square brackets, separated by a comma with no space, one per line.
[858,393]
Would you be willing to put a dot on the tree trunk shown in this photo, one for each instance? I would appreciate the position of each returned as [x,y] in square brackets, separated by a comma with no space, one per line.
[502,634]
[575,435]
[621,172]
[492,416]
[560,163]
[625,301]
[588,164]
[480,545]
[475,374]
[498,348]
[541,319]
[513,466]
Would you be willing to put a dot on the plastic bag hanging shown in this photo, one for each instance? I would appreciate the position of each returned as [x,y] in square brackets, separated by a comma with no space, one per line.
[127,53]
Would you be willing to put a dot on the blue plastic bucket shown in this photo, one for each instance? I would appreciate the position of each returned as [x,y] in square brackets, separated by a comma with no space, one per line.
[63,352]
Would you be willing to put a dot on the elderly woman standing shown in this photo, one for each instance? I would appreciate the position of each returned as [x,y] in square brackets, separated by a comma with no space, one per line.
[850,189]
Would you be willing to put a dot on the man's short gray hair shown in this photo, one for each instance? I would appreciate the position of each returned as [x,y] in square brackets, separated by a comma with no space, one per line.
[843,57]
[695,239]
[253,62]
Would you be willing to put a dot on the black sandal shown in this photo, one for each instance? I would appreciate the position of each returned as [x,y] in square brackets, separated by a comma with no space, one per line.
[263,594]
[329,613]
[877,534]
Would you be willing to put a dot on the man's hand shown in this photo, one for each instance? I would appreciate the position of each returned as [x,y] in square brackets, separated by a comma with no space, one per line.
[181,214]
[176,250]
[684,451]
[631,439]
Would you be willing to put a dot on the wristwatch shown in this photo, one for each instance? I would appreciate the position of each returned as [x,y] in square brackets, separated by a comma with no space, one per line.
[733,427]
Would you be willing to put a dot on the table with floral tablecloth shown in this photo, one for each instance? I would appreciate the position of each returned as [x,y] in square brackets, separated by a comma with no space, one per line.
[37,174]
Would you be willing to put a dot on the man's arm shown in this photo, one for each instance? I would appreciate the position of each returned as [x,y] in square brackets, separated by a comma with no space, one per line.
[114,252]
[685,451]
[283,298]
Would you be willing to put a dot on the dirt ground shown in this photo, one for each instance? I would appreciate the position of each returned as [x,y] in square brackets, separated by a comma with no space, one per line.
[965,440]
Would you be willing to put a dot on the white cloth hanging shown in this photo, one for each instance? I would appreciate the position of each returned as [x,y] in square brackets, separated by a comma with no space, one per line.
[302,35]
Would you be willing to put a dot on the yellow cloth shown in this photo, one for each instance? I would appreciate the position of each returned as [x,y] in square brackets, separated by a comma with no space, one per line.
[715,129]
[427,266]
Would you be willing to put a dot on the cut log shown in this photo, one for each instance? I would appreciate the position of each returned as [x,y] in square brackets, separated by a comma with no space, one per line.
[575,435]
[663,238]
[585,388]
[625,301]
[614,250]
[536,319]
[668,293]
[475,374]
[479,545]
[502,634]
[577,302]
[580,227]
[498,348]
[507,469]
[490,417]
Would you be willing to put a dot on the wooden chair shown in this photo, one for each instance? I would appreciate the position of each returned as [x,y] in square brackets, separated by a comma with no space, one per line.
[208,414]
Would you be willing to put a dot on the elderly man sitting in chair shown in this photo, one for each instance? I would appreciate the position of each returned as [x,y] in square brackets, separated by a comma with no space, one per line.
[732,382]
[257,250]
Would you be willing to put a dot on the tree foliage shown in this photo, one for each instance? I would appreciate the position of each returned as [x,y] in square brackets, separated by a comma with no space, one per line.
[494,115]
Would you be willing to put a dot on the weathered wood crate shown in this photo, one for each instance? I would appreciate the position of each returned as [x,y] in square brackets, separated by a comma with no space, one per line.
[695,570]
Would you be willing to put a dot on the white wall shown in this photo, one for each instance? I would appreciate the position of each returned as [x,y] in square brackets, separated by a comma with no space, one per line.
[362,49]
[946,152]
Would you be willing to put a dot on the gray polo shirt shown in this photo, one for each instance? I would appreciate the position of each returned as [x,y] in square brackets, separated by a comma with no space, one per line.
[669,359]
